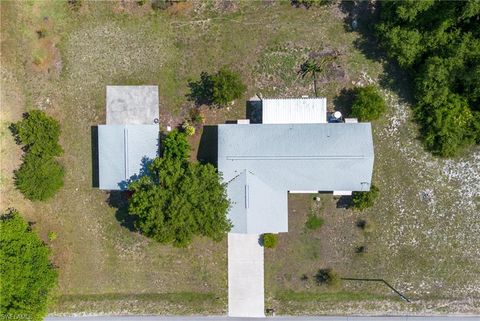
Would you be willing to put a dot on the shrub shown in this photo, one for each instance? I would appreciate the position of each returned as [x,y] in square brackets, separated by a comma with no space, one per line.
[368,104]
[39,178]
[163,4]
[363,200]
[327,277]
[361,249]
[75,5]
[314,222]
[52,236]
[38,133]
[196,117]
[365,226]
[310,3]
[27,276]
[188,129]
[269,240]
[175,145]
[226,86]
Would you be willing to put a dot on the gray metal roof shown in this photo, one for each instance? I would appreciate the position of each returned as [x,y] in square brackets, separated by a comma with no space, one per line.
[132,105]
[123,152]
[286,157]
[256,205]
[294,110]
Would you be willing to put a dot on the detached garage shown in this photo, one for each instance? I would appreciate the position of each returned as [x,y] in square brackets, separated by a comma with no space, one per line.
[124,151]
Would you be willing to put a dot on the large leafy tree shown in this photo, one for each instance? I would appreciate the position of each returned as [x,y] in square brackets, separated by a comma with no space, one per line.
[178,199]
[438,43]
[26,274]
[226,86]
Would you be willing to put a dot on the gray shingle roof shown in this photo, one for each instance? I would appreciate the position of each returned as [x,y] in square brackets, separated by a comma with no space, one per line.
[314,157]
[123,151]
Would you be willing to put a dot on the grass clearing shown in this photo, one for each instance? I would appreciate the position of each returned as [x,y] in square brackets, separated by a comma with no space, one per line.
[426,238]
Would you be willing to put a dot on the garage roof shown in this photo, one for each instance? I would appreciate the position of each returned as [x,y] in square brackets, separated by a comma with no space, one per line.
[123,152]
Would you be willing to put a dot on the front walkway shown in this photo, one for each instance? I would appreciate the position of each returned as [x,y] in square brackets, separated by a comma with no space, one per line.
[245,276]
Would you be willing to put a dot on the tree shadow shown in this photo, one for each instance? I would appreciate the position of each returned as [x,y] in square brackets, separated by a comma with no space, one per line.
[344,100]
[144,170]
[95,161]
[201,91]
[208,147]
[119,201]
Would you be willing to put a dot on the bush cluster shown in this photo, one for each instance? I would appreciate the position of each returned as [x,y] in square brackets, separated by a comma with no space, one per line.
[178,200]
[40,176]
[217,89]
[363,200]
[269,240]
[368,104]
[27,275]
[314,222]
[438,43]
[327,277]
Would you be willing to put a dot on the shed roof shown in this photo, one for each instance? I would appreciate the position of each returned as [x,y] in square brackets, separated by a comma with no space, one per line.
[123,153]
[132,105]
[294,110]
[287,157]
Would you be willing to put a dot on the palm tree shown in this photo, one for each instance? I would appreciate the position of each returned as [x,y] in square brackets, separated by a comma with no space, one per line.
[311,67]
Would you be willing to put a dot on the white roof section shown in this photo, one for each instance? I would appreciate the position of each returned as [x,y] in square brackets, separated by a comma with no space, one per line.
[123,153]
[132,105]
[250,210]
[290,157]
[294,111]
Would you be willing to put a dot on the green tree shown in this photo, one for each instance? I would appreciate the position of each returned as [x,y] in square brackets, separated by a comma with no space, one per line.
[26,274]
[178,200]
[368,104]
[38,133]
[364,200]
[39,178]
[226,86]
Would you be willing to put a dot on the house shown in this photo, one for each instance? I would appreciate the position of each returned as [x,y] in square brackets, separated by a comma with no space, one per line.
[262,163]
[130,137]
[293,150]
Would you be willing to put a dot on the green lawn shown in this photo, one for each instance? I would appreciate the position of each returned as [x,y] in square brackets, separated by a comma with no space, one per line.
[426,248]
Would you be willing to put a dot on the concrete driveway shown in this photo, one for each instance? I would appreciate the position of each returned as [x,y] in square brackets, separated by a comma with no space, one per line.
[245,276]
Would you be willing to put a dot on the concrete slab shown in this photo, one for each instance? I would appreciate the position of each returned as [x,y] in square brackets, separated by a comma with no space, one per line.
[132,105]
[245,276]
